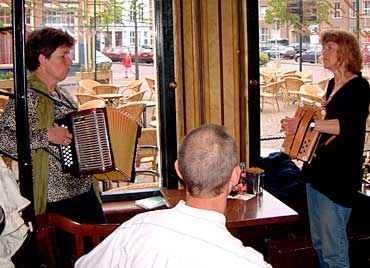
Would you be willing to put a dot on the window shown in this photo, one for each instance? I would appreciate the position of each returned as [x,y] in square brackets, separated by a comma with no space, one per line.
[262,12]
[264,33]
[132,37]
[337,11]
[352,13]
[366,6]
[5,17]
[118,36]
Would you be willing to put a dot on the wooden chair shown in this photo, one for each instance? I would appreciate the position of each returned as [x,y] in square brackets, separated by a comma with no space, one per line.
[305,74]
[83,98]
[310,93]
[105,89]
[92,104]
[51,224]
[271,91]
[323,83]
[267,78]
[133,87]
[87,86]
[138,96]
[151,86]
[135,108]
[148,152]
[291,86]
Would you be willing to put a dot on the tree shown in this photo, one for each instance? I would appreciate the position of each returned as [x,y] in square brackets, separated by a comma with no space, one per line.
[313,12]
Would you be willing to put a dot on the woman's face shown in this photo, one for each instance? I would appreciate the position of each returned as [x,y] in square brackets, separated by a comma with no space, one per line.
[58,65]
[329,55]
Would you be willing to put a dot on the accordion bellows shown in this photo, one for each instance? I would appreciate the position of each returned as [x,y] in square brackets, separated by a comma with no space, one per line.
[104,144]
[303,143]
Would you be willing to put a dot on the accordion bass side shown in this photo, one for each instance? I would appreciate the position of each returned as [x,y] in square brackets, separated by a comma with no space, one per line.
[303,143]
[104,143]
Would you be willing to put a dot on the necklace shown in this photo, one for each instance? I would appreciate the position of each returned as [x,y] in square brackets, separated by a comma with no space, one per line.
[337,87]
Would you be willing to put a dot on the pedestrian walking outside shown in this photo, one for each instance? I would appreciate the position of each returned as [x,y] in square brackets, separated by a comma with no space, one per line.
[127,63]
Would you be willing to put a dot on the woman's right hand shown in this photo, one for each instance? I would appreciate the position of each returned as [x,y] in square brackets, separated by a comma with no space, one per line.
[59,135]
[289,125]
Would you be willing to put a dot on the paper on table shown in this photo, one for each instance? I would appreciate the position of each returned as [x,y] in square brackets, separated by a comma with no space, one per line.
[244,196]
[151,202]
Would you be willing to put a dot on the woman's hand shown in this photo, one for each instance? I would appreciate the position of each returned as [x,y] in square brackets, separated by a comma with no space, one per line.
[289,125]
[59,135]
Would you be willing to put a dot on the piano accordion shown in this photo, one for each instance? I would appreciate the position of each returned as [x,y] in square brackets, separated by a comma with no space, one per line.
[104,143]
[303,143]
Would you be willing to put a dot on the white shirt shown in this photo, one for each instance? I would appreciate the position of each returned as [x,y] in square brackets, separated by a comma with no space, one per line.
[179,237]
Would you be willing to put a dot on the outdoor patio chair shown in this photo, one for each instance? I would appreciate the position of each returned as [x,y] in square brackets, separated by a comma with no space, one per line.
[87,86]
[291,87]
[105,89]
[271,91]
[132,87]
[83,98]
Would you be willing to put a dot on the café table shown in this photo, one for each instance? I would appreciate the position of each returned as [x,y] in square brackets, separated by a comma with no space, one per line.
[112,99]
[259,210]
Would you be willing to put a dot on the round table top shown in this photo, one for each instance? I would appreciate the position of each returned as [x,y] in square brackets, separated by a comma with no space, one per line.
[110,95]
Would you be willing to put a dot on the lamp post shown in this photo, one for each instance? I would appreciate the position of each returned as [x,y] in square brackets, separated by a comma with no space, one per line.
[276,36]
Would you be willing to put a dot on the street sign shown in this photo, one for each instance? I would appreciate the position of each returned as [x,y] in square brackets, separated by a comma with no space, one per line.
[292,8]
[310,18]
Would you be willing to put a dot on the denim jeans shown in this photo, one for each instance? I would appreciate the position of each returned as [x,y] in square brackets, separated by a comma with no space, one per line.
[328,222]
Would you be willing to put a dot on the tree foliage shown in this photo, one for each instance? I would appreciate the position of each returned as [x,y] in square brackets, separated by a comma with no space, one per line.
[277,11]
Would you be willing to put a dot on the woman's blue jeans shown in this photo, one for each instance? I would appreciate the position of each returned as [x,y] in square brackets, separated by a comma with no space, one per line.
[328,222]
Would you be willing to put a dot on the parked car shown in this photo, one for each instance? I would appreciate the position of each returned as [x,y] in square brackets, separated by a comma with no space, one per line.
[305,46]
[281,51]
[116,53]
[311,55]
[146,55]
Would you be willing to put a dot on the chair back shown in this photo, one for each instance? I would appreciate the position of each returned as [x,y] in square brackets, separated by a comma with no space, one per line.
[87,86]
[83,98]
[53,223]
[105,89]
[148,152]
[293,83]
[135,108]
[136,96]
[323,83]
[133,87]
[306,74]
[267,78]
[151,86]
[310,93]
[312,89]
[92,104]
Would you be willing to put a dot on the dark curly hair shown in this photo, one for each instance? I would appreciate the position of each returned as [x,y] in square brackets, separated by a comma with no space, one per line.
[45,41]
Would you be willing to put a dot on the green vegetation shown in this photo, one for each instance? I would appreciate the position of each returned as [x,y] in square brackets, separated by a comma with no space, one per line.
[7,75]
[264,58]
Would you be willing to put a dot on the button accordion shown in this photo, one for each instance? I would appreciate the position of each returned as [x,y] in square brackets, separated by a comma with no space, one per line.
[103,144]
[303,143]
